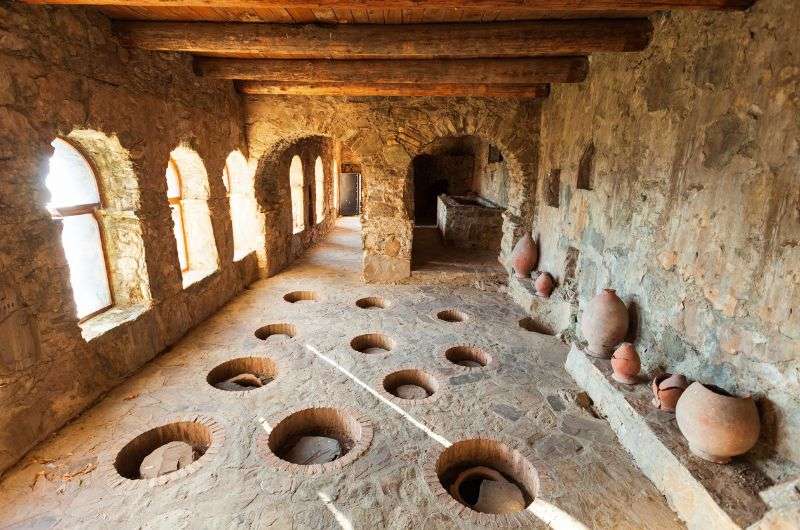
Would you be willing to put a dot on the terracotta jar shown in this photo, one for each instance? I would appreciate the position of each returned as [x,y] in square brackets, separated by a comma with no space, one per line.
[626,364]
[544,285]
[716,424]
[524,256]
[667,389]
[604,323]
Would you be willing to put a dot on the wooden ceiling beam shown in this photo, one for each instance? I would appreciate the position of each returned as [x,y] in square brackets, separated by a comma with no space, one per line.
[412,41]
[393,89]
[528,71]
[543,6]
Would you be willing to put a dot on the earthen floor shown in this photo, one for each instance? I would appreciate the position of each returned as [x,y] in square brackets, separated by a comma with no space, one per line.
[524,398]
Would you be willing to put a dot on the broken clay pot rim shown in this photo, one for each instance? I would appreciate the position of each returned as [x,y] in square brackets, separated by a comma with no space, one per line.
[274,462]
[107,464]
[523,519]
[441,385]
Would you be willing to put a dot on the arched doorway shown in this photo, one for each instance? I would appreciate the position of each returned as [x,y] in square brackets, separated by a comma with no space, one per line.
[460,191]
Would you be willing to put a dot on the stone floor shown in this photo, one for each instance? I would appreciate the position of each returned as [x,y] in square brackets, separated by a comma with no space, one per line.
[524,398]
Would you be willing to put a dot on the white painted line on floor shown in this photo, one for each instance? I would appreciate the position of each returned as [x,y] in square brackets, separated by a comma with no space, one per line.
[343,521]
[548,513]
[421,426]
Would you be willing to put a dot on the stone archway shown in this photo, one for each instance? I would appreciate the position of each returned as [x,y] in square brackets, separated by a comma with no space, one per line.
[385,138]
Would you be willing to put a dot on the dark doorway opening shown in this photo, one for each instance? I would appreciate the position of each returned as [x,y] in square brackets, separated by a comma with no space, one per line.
[349,193]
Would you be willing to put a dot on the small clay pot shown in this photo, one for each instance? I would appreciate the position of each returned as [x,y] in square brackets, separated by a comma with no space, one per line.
[716,424]
[604,323]
[544,285]
[626,364]
[667,390]
[524,256]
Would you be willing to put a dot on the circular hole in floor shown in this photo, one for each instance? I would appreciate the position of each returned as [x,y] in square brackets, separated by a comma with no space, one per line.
[468,356]
[274,330]
[536,326]
[410,384]
[301,296]
[373,302]
[451,315]
[315,436]
[372,343]
[163,450]
[487,476]
[242,374]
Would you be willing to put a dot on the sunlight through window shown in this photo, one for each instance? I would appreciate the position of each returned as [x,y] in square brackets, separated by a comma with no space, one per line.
[296,183]
[74,199]
[319,191]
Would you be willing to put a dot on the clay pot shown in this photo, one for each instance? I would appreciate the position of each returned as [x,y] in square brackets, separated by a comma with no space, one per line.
[626,364]
[472,473]
[524,256]
[604,323]
[544,285]
[667,389]
[716,424]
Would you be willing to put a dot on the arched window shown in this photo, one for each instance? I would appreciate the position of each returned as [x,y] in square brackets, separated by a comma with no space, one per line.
[187,192]
[239,184]
[335,176]
[75,199]
[319,189]
[296,183]
[175,196]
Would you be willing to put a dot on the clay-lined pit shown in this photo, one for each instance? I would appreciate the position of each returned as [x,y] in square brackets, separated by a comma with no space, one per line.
[130,457]
[416,379]
[468,356]
[536,326]
[272,330]
[262,369]
[452,315]
[324,422]
[372,343]
[483,459]
[301,296]
[373,302]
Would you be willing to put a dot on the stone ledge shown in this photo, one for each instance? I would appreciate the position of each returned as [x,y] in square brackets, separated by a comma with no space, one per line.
[704,495]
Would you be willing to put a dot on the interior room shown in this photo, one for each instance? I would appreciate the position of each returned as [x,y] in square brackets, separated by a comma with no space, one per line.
[400,264]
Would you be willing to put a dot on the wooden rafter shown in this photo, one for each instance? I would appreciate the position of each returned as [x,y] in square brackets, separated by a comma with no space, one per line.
[412,41]
[529,71]
[394,89]
[543,6]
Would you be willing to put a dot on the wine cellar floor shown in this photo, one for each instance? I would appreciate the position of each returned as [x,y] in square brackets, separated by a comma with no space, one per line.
[523,398]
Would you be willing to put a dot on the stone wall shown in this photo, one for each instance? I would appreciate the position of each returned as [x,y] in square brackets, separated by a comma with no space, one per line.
[672,176]
[384,135]
[63,74]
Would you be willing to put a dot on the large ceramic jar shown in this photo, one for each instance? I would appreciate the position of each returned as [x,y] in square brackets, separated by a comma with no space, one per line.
[524,256]
[604,323]
[717,425]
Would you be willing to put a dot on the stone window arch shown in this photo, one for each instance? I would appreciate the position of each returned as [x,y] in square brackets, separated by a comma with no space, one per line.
[75,201]
[238,180]
[319,189]
[187,192]
[296,184]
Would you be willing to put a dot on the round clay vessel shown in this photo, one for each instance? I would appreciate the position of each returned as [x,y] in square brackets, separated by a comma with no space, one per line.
[667,390]
[717,425]
[524,256]
[544,285]
[604,323]
[626,364]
